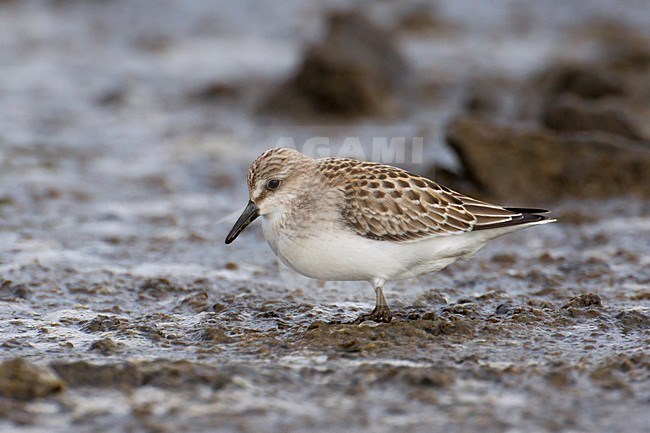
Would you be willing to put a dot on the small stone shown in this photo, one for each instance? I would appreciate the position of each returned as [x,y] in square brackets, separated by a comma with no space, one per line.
[503,309]
[105,346]
[102,323]
[632,319]
[584,300]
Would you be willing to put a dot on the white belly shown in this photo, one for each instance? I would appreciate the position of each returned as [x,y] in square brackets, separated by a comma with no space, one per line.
[344,255]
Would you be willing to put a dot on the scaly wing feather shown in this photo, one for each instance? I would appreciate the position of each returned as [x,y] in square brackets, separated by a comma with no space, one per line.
[387,203]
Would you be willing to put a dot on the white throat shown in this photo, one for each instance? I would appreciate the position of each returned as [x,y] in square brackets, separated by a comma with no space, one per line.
[271,226]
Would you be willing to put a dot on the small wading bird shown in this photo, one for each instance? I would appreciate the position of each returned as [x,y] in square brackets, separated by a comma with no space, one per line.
[340,219]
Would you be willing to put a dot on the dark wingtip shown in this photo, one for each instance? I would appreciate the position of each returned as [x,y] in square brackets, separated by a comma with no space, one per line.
[528,210]
[527,216]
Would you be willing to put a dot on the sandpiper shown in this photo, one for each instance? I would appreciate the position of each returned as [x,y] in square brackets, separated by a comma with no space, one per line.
[340,219]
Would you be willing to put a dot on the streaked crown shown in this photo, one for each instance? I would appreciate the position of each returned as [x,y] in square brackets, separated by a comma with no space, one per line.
[278,161]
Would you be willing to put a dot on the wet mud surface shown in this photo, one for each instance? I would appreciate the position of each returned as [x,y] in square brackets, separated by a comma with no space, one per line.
[122,310]
[536,341]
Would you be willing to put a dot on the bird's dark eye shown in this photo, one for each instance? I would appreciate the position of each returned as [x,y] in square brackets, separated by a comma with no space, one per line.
[272,184]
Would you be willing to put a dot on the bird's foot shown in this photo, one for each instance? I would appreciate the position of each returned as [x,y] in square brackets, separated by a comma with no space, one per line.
[380,314]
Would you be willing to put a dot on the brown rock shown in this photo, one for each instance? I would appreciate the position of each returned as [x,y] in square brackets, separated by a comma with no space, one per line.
[632,319]
[577,115]
[105,346]
[179,374]
[356,71]
[430,298]
[586,81]
[22,380]
[214,91]
[586,305]
[560,378]
[505,163]
[424,19]
[623,47]
[425,377]
[584,300]
[156,288]
[214,334]
[103,323]
[610,93]
[608,379]
[82,373]
[11,291]
[448,326]
[194,302]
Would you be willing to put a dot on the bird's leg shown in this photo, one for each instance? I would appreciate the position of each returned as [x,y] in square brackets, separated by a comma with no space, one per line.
[381,313]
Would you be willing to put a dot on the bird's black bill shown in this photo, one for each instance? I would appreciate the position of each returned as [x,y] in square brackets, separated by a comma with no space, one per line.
[248,216]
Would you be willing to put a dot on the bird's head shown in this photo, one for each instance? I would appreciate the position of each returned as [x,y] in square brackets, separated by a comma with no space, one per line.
[275,179]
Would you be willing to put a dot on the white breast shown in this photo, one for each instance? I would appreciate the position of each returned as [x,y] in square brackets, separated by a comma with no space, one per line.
[329,253]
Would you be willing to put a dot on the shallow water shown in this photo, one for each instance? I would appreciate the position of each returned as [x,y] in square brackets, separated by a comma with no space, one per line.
[118,186]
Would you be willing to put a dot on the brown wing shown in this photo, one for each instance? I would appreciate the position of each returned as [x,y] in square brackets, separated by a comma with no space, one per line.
[387,203]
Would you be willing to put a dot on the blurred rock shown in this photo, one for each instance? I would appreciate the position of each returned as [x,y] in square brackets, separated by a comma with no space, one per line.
[22,380]
[82,373]
[623,47]
[574,114]
[587,81]
[215,91]
[356,71]
[11,291]
[423,19]
[177,374]
[496,97]
[632,319]
[113,96]
[483,97]
[610,93]
[165,374]
[505,163]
